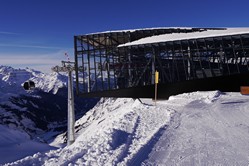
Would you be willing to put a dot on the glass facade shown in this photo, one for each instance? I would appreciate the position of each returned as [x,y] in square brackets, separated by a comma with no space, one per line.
[103,66]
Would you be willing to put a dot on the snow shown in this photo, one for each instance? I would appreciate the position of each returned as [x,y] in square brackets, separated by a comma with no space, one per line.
[50,82]
[10,78]
[139,29]
[184,36]
[18,132]
[206,132]
[199,128]
[13,141]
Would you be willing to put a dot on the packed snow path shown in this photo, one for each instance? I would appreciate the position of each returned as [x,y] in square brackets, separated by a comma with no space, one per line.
[212,129]
[200,128]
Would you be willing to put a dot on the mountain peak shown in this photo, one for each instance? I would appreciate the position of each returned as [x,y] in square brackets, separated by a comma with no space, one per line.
[12,79]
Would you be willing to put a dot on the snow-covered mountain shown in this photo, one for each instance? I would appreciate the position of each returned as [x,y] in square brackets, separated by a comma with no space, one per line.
[36,115]
[199,128]
[12,80]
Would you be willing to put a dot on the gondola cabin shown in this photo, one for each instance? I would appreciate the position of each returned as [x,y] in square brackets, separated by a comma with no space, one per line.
[29,85]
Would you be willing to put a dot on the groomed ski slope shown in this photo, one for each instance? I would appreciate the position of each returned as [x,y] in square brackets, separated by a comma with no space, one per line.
[200,128]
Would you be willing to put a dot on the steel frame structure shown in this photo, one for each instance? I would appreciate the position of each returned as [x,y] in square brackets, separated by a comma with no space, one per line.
[101,66]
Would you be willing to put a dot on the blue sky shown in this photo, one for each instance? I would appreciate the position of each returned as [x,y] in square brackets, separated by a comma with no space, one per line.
[37,33]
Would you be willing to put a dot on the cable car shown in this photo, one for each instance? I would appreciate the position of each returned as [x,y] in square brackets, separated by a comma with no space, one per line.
[29,85]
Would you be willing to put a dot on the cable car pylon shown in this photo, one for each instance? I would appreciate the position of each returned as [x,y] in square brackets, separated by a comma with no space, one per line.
[68,67]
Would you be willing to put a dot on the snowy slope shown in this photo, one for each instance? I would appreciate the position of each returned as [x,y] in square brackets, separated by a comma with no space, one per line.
[210,130]
[12,141]
[200,128]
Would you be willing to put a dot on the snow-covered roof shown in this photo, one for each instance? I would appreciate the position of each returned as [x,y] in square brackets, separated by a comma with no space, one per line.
[139,29]
[184,36]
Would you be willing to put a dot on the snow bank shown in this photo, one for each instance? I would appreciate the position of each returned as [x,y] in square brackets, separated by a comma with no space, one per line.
[111,133]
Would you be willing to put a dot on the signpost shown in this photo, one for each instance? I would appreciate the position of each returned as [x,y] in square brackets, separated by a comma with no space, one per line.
[156,82]
[244,90]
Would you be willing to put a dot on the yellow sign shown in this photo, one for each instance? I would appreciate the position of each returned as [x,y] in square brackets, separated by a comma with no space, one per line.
[156,77]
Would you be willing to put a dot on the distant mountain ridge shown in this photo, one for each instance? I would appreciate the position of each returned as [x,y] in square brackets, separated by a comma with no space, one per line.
[51,82]
[41,110]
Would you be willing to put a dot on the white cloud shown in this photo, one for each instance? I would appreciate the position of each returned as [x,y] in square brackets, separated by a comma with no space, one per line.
[8,33]
[29,46]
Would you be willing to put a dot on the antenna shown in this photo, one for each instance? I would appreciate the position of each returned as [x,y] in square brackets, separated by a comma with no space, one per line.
[66,55]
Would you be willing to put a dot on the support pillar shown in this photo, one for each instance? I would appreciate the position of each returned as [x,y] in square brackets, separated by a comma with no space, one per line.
[189,66]
[71,116]
[69,67]
[153,68]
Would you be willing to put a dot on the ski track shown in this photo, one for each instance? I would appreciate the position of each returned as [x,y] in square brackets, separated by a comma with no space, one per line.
[125,150]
